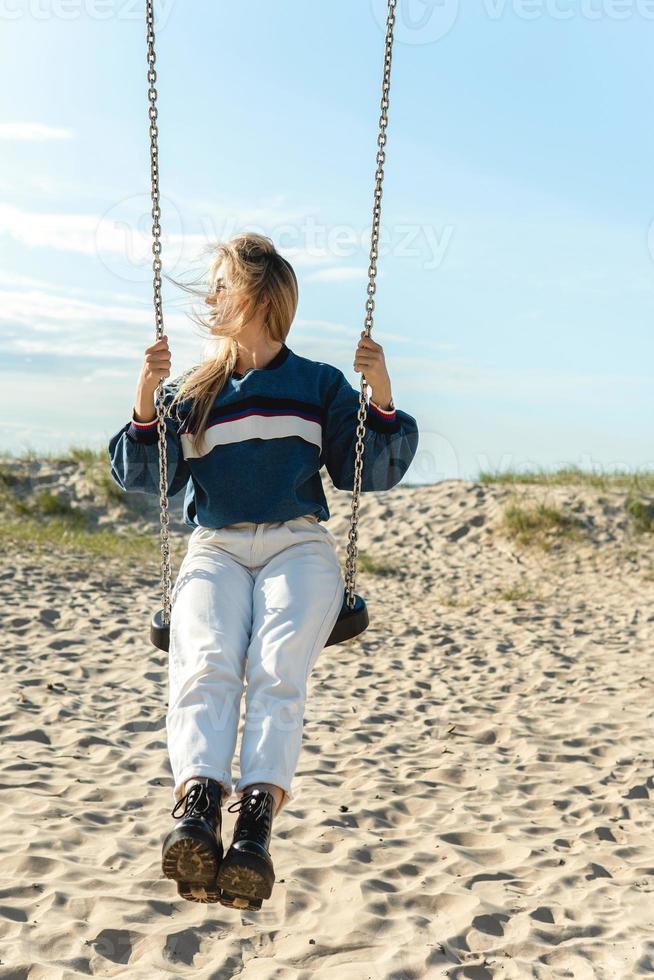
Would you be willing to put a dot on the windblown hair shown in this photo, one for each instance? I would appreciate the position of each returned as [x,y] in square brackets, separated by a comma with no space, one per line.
[253,273]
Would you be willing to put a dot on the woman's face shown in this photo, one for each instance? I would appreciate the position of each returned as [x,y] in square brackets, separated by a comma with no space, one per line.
[216,297]
[216,294]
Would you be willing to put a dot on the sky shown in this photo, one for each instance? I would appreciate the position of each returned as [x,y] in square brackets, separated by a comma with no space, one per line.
[515,290]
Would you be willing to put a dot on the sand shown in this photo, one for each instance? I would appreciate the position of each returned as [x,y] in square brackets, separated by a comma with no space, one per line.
[473,794]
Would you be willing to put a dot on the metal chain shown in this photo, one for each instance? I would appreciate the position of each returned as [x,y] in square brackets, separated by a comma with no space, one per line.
[350,562]
[158,313]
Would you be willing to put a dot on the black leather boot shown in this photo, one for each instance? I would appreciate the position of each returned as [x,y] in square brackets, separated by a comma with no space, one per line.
[246,875]
[193,849]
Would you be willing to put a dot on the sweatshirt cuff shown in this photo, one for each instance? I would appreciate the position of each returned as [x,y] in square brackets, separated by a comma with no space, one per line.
[388,414]
[382,421]
[146,432]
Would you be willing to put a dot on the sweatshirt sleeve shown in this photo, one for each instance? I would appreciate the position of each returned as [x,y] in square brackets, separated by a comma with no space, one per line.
[134,455]
[389,444]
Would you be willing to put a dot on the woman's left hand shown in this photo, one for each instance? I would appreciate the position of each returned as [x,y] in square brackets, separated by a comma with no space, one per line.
[369,359]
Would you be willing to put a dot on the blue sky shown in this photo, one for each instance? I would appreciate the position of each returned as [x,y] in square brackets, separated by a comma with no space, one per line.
[515,296]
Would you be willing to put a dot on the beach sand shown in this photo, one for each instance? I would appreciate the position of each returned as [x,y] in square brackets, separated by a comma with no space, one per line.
[474,793]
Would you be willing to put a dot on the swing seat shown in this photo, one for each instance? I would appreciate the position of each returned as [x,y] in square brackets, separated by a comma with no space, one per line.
[349,624]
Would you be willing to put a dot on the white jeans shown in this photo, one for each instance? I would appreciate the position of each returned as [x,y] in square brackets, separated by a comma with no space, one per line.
[257,601]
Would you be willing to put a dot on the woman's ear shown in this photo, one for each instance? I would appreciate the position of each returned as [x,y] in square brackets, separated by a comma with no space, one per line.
[265,304]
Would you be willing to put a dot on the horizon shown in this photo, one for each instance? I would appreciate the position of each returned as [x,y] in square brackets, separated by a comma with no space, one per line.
[515,287]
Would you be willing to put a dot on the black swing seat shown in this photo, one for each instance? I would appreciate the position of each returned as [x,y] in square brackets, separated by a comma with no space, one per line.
[349,624]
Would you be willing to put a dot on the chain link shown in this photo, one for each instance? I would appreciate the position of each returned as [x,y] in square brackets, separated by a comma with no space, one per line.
[158,312]
[350,561]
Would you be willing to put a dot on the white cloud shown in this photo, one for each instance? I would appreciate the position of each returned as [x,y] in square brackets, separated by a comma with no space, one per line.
[33,132]
[117,239]
[121,239]
[88,234]
[64,232]
[139,298]
[28,306]
[69,325]
[53,322]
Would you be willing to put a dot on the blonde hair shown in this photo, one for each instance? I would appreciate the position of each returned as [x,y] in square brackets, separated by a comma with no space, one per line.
[254,273]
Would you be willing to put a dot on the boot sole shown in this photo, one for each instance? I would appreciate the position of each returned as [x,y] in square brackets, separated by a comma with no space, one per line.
[195,892]
[193,862]
[245,880]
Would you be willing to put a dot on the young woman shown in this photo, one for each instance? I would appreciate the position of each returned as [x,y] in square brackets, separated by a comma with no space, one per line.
[260,587]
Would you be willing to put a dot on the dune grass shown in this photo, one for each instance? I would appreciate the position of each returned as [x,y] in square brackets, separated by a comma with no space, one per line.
[574,476]
[61,536]
[47,520]
[74,454]
[517,593]
[641,514]
[95,464]
[44,521]
[66,532]
[540,525]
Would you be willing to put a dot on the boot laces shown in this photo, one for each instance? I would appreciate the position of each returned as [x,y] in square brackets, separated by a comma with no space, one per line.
[197,793]
[251,805]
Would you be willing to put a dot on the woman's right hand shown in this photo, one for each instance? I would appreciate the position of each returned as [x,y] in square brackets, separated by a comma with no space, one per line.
[156,365]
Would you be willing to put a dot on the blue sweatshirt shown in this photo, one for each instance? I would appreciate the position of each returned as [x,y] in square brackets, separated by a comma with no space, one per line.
[269,433]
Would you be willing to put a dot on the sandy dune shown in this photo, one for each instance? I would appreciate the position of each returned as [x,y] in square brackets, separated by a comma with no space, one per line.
[474,791]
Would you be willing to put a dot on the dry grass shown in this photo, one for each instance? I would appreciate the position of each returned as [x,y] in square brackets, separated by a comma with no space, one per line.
[574,476]
[540,525]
